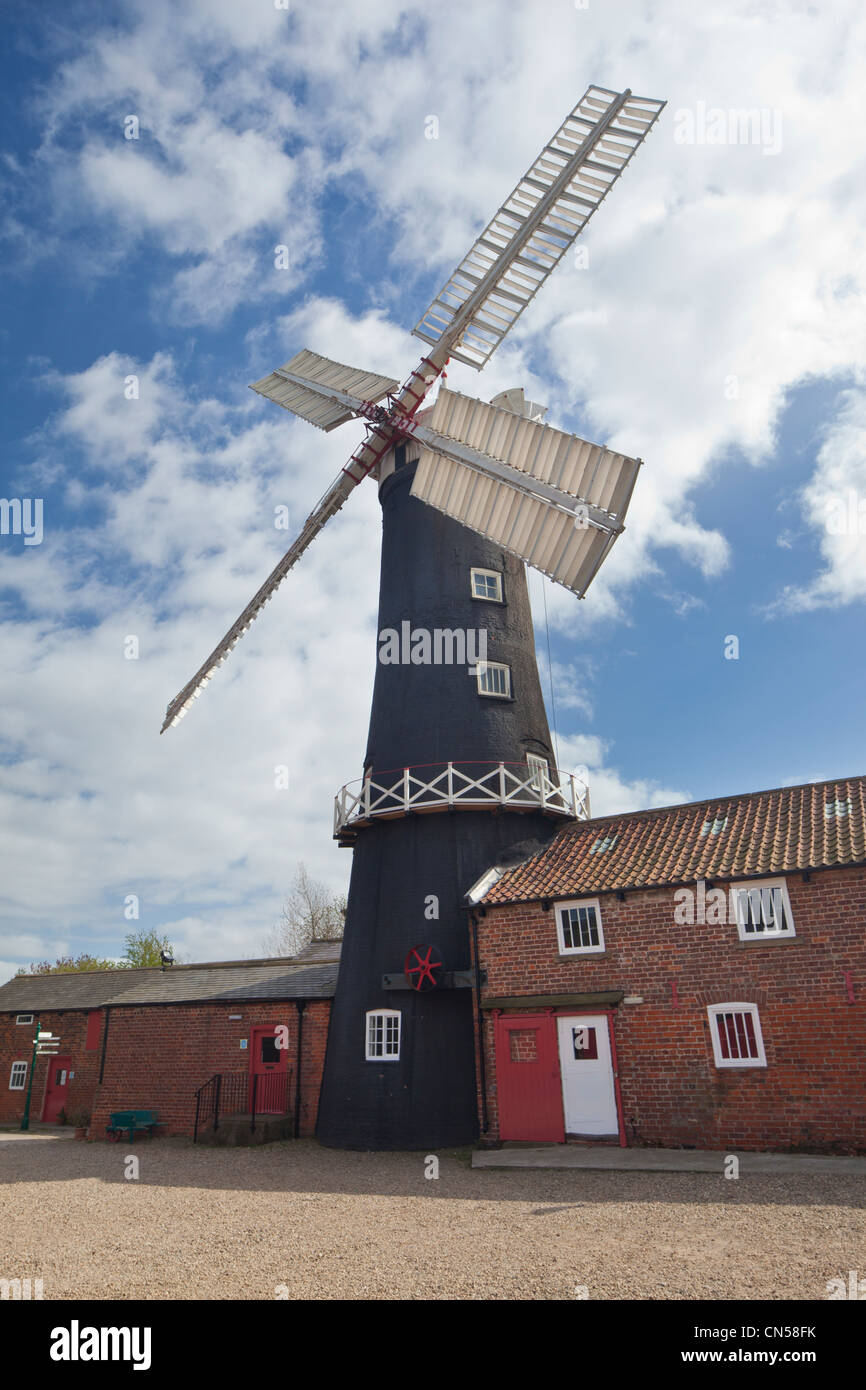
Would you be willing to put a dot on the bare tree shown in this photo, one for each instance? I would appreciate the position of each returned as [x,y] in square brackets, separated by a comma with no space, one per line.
[310,913]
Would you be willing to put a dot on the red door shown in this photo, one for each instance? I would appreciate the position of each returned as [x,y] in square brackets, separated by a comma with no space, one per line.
[527,1078]
[56,1089]
[269,1066]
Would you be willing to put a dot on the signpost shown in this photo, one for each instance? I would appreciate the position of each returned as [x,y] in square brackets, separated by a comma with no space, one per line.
[44,1045]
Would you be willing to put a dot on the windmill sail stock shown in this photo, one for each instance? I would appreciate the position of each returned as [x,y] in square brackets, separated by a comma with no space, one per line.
[554,500]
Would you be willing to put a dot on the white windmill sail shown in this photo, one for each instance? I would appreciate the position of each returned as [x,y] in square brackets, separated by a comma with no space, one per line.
[537,224]
[514,486]
[553,499]
[324,392]
[590,472]
[327,507]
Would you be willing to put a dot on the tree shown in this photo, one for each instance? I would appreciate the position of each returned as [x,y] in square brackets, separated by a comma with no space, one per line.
[145,948]
[64,965]
[310,913]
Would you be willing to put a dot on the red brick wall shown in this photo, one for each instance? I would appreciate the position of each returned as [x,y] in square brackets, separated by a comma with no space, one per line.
[157,1057]
[16,1044]
[811,1093]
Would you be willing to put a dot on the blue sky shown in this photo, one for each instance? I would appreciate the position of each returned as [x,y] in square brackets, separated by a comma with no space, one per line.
[716,332]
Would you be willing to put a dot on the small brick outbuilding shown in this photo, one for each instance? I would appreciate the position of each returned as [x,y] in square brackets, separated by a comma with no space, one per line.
[148,1039]
[692,976]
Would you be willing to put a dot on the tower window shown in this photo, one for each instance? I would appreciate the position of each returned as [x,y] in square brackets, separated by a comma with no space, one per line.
[538,770]
[399,456]
[486,584]
[494,679]
[383,1035]
[18,1076]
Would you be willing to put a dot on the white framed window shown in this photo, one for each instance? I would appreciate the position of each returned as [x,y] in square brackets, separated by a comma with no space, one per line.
[18,1076]
[763,909]
[578,925]
[486,584]
[736,1033]
[383,1035]
[23,1018]
[493,679]
[538,770]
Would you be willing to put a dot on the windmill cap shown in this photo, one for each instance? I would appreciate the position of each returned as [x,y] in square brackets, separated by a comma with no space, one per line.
[515,401]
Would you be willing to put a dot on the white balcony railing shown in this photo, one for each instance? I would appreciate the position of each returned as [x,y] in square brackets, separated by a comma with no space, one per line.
[510,785]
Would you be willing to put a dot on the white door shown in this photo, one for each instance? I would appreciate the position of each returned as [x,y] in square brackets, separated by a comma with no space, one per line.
[585,1063]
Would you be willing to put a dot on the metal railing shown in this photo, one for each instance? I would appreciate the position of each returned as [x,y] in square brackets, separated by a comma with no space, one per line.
[437,786]
[240,1094]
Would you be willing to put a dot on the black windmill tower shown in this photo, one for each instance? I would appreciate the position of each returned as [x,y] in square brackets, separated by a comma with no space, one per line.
[459,771]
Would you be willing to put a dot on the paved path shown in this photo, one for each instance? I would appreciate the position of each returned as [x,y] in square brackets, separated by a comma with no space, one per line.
[609,1159]
[38,1132]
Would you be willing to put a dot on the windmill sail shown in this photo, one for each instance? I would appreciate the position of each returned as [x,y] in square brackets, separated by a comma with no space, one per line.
[329,505]
[324,392]
[556,501]
[527,526]
[589,472]
[512,479]
[537,224]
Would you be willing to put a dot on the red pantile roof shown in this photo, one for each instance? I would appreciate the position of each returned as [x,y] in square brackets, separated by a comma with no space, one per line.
[819,825]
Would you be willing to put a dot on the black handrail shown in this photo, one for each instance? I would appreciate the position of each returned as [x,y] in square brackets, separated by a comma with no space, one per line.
[239,1094]
[206,1102]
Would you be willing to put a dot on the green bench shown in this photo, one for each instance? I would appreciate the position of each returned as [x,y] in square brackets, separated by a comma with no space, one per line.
[131,1120]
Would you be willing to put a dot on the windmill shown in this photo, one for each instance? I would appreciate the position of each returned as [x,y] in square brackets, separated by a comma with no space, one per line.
[459,772]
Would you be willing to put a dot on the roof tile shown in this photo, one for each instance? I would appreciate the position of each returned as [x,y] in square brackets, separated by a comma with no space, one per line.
[769,832]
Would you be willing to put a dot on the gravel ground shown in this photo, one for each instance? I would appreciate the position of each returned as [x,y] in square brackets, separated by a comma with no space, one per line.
[239,1223]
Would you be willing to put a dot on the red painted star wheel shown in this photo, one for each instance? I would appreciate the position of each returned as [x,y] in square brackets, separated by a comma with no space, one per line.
[423,967]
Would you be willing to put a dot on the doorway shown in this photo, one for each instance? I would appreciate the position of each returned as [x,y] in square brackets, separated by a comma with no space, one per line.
[586,1065]
[269,1070]
[56,1089]
[527,1075]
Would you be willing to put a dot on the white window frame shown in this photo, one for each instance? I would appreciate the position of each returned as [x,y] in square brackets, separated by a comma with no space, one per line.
[761,885]
[486,574]
[370,1043]
[481,670]
[21,1069]
[572,903]
[22,1019]
[713,1011]
[535,763]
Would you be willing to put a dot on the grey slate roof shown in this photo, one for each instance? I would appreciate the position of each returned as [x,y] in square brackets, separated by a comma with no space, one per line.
[312,974]
[288,979]
[78,989]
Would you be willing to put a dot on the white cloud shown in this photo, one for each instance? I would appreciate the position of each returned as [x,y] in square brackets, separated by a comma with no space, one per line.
[834,504]
[719,280]
[610,792]
[106,808]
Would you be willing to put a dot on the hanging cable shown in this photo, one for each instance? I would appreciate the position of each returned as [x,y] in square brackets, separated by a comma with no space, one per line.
[550,672]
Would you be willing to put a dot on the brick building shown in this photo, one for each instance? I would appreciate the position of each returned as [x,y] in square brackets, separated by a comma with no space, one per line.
[72,1007]
[692,976]
[148,1039]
